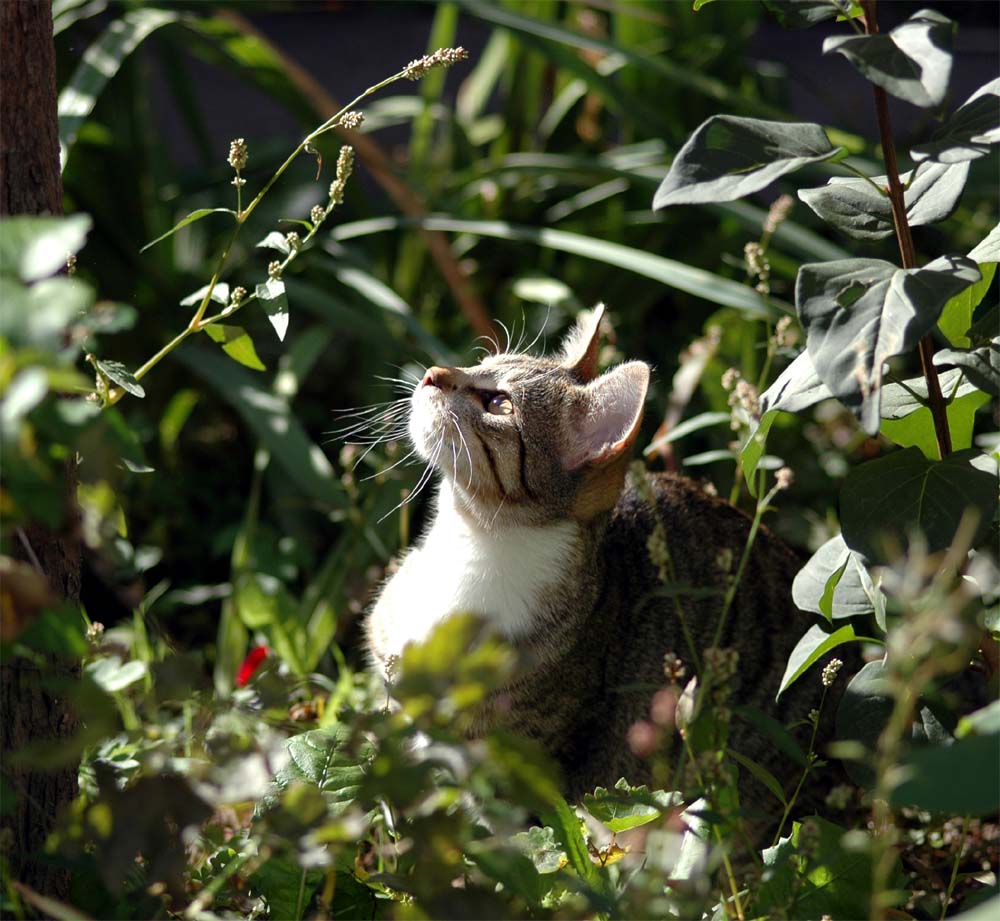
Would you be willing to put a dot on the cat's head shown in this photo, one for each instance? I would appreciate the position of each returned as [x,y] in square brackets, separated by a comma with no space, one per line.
[527,440]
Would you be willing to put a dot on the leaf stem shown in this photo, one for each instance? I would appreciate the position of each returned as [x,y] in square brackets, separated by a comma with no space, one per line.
[935,399]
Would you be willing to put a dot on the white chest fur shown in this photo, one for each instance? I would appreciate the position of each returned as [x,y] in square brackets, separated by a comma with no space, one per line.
[459,567]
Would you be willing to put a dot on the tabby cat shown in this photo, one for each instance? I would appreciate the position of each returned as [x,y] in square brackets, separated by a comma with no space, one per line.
[536,531]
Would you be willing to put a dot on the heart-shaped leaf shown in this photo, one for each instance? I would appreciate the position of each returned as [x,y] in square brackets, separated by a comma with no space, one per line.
[835,583]
[912,62]
[729,157]
[968,132]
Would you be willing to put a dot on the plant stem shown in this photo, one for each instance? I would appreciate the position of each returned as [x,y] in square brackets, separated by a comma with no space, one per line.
[935,400]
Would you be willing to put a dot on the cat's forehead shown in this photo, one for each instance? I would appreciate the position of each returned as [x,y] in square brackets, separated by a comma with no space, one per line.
[516,369]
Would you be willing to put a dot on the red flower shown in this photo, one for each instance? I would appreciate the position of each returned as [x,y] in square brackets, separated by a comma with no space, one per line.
[250,664]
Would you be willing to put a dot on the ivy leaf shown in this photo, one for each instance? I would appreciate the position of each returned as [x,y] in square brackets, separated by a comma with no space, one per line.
[884,501]
[271,295]
[810,649]
[118,374]
[835,583]
[729,157]
[236,343]
[912,62]
[855,207]
[189,219]
[981,366]
[968,132]
[220,294]
[858,313]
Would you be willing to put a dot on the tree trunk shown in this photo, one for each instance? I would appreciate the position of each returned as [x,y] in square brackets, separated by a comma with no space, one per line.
[30,183]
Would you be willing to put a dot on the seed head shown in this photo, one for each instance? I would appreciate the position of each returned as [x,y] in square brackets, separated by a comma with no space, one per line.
[70,264]
[781,207]
[673,668]
[784,335]
[274,269]
[317,214]
[729,378]
[238,154]
[443,57]
[94,632]
[236,295]
[352,120]
[293,240]
[830,672]
[783,479]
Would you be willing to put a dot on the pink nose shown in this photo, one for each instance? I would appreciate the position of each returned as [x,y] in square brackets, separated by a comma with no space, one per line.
[438,377]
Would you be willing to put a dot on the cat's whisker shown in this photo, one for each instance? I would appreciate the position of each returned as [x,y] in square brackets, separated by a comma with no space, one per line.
[425,478]
[541,330]
[468,453]
[506,351]
[398,463]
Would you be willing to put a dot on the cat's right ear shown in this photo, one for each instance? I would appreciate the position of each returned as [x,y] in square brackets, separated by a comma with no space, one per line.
[580,347]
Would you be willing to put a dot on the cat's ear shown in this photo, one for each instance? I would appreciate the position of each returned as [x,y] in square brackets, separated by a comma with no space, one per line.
[579,348]
[606,419]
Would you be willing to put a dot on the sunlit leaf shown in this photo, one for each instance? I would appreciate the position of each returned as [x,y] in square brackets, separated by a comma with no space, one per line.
[834,583]
[969,132]
[118,374]
[815,644]
[188,219]
[36,247]
[273,299]
[236,343]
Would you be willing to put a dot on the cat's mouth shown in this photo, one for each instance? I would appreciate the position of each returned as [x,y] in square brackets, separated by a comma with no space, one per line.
[430,419]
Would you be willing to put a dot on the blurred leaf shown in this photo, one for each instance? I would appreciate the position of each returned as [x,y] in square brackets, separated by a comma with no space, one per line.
[956,779]
[800,14]
[111,674]
[884,501]
[285,887]
[36,247]
[815,644]
[190,219]
[511,867]
[856,207]
[118,374]
[834,583]
[236,343]
[912,61]
[956,318]
[775,732]
[968,132]
[539,844]
[22,395]
[729,157]
[858,313]
[66,12]
[863,714]
[272,422]
[982,722]
[981,366]
[273,299]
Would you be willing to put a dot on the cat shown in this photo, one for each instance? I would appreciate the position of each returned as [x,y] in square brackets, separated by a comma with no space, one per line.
[537,530]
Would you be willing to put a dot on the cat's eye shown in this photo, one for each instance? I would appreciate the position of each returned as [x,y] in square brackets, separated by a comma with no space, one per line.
[500,405]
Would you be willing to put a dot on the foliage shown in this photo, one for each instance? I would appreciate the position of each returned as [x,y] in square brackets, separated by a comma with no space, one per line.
[235,757]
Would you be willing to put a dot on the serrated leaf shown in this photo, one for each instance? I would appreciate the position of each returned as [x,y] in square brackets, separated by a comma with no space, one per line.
[815,644]
[236,343]
[273,299]
[539,844]
[911,62]
[220,294]
[884,501]
[189,219]
[968,132]
[855,206]
[117,373]
[834,583]
[275,241]
[981,366]
[858,313]
[36,247]
[729,157]
[625,807]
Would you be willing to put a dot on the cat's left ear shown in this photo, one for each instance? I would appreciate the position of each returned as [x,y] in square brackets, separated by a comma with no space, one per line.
[579,348]
[608,417]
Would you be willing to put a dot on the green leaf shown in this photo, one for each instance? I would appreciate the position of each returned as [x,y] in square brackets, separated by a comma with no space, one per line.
[333,760]
[190,219]
[22,395]
[797,388]
[271,420]
[729,157]
[862,715]
[968,132]
[761,773]
[263,603]
[285,887]
[694,424]
[988,249]
[39,316]
[834,583]
[956,318]
[566,831]
[858,313]
[884,501]
[982,722]
[236,343]
[510,866]
[36,247]
[220,294]
[810,649]
[981,366]
[272,297]
[912,62]
[276,241]
[800,14]
[539,844]
[776,733]
[855,206]
[112,675]
[99,64]
[917,429]
[958,779]
[625,807]
[117,373]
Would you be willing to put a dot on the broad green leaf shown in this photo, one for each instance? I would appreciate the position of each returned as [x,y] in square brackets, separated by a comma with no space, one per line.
[99,64]
[810,649]
[623,807]
[220,294]
[333,760]
[675,274]
[957,779]
[917,428]
[118,374]
[276,241]
[856,207]
[40,315]
[858,313]
[862,714]
[275,426]
[911,62]
[797,388]
[956,318]
[272,297]
[113,675]
[729,157]
[35,247]
[284,886]
[834,583]
[988,249]
[800,14]
[236,343]
[981,366]
[189,219]
[884,501]
[900,398]
[968,132]
[566,831]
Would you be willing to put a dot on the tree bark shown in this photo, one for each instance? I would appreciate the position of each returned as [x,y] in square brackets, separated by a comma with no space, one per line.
[32,710]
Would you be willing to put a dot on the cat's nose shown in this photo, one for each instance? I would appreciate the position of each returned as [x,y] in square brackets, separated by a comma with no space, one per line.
[442,378]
